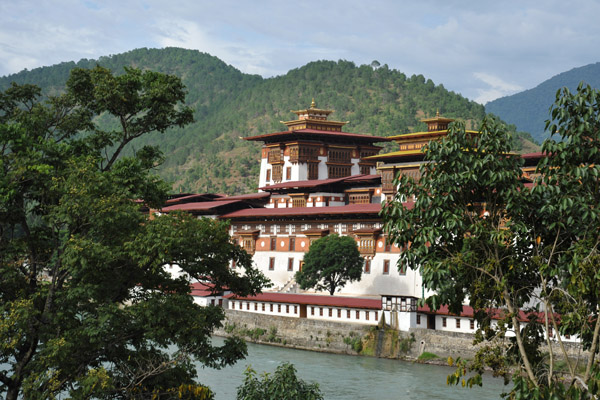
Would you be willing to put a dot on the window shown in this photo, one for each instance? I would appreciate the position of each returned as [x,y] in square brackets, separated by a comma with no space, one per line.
[348,314]
[255,306]
[271,263]
[357,314]
[273,243]
[472,324]
[386,267]
[247,305]
[295,309]
[312,311]
[290,264]
[376,319]
[321,311]
[292,244]
[278,308]
[339,313]
[268,175]
[367,266]
[367,315]
[458,322]
[233,305]
[263,306]
[331,312]
[444,322]
[271,307]
[287,309]
[288,174]
[402,268]
[418,319]
[313,171]
[387,245]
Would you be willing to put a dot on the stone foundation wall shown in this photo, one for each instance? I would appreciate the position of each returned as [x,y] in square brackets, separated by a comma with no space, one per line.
[343,337]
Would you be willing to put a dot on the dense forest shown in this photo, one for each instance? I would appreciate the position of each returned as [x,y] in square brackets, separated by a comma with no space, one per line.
[210,156]
[528,110]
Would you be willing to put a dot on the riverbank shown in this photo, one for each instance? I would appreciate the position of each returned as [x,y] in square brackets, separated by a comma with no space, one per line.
[347,338]
[420,345]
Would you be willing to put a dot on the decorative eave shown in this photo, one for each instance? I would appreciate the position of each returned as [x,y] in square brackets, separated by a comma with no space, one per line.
[314,233]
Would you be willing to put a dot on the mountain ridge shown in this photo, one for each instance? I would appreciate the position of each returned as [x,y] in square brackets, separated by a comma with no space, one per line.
[528,110]
[209,155]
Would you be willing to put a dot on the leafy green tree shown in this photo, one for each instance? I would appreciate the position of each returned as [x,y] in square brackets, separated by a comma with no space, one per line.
[86,306]
[479,236]
[283,384]
[330,263]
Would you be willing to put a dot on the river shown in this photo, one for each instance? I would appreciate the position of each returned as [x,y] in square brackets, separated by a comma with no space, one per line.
[344,377]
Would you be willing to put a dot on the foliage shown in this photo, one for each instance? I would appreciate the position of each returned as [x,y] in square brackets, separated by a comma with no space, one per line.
[208,155]
[426,356]
[330,263]
[479,236]
[87,308]
[282,384]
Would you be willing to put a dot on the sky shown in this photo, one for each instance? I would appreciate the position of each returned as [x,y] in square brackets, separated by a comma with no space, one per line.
[481,49]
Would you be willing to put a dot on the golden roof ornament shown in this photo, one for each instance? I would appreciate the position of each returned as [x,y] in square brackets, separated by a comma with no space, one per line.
[313,104]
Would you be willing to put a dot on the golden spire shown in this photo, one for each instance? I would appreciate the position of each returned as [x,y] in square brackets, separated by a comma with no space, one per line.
[437,112]
[313,104]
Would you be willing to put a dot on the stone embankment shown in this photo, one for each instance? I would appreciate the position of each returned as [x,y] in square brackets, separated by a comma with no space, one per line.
[349,338]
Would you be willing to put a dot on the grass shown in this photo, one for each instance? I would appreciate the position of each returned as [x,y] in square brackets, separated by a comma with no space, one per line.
[426,356]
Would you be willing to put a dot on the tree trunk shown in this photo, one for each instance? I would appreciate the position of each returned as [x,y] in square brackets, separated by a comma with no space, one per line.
[12,393]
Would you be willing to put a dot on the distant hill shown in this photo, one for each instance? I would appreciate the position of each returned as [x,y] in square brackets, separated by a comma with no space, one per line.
[209,155]
[528,110]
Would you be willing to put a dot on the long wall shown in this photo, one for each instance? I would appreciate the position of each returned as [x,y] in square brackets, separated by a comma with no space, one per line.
[335,337]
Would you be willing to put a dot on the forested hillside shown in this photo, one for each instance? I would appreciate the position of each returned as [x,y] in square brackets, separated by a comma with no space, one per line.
[209,155]
[528,110]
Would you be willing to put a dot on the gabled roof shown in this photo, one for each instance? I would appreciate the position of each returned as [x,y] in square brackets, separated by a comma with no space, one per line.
[317,300]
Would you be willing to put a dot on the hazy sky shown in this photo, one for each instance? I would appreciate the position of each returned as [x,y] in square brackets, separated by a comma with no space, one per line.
[481,49]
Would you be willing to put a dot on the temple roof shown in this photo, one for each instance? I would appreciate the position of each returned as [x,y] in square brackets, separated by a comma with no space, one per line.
[317,135]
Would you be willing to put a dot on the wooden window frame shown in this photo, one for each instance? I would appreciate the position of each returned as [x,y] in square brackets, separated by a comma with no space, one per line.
[290,264]
[271,263]
[386,267]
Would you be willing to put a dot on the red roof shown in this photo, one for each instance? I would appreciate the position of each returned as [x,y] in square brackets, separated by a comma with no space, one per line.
[202,289]
[203,196]
[303,184]
[496,313]
[317,300]
[248,196]
[199,206]
[371,208]
[320,182]
[308,132]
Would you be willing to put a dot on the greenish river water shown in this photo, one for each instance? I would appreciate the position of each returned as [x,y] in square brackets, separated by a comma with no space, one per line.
[342,377]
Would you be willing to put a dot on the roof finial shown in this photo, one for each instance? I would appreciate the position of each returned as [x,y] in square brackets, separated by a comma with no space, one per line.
[437,112]
[313,104]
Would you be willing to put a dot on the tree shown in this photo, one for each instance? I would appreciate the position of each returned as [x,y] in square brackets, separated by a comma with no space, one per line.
[282,384]
[86,306]
[330,263]
[479,236]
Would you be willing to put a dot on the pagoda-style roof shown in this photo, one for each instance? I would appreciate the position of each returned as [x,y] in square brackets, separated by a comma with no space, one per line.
[314,118]
[312,125]
[318,135]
